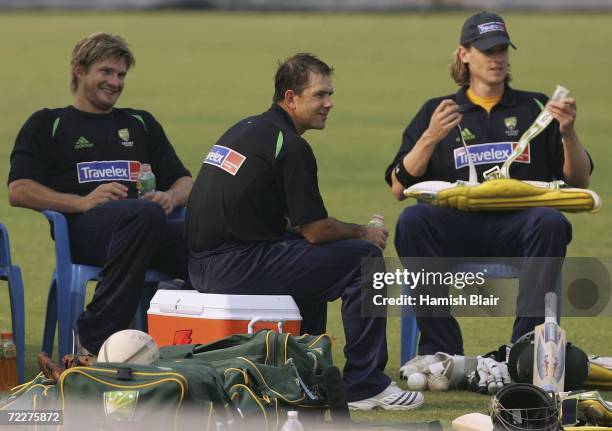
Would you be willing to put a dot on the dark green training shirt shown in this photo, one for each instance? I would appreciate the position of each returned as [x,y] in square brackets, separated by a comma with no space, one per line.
[258,174]
[72,151]
[490,137]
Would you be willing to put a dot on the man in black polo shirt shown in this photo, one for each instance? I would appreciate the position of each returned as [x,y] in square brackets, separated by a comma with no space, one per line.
[259,181]
[83,160]
[492,117]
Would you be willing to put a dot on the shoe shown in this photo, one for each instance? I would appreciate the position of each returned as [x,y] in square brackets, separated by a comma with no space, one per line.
[392,398]
[78,349]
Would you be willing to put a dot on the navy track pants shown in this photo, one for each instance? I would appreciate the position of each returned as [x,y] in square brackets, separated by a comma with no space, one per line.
[312,275]
[428,231]
[125,238]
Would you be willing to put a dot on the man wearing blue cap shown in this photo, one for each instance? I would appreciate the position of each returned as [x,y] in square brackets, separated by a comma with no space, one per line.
[492,116]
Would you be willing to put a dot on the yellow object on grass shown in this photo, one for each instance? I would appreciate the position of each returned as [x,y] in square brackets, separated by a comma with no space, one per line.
[592,409]
[505,194]
[598,378]
[587,428]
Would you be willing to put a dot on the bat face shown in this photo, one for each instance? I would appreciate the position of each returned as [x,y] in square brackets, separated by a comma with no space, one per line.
[549,361]
[559,372]
[541,358]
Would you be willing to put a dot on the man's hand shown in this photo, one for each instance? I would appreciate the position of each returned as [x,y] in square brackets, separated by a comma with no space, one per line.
[102,194]
[564,111]
[376,235]
[444,119]
[165,199]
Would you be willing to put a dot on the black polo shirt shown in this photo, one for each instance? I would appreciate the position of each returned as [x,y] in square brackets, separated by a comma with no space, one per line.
[491,137]
[258,174]
[72,151]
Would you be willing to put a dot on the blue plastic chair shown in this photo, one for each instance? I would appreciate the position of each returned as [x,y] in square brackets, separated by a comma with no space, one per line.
[66,298]
[12,274]
[409,334]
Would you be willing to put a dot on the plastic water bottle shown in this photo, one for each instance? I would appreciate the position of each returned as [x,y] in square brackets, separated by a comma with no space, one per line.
[145,182]
[8,366]
[292,423]
[377,220]
[2,388]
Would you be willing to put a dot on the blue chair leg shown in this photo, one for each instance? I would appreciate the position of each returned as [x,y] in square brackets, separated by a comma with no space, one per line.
[50,318]
[69,310]
[410,337]
[15,283]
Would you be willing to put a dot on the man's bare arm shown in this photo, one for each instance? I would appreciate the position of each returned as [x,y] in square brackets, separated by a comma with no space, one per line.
[577,166]
[445,118]
[330,229]
[31,194]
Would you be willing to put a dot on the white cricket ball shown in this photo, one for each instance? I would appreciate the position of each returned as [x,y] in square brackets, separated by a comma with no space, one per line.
[129,346]
[417,381]
[438,382]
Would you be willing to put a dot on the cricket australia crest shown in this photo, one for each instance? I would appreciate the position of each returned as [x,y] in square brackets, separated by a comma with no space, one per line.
[120,405]
[124,134]
[510,123]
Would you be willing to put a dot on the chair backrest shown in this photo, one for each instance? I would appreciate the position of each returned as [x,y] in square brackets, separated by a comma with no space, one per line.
[5,249]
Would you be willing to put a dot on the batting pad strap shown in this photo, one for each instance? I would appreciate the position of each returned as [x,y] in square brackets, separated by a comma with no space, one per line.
[403,176]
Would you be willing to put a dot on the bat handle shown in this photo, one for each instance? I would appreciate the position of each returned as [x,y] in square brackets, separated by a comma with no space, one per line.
[550,306]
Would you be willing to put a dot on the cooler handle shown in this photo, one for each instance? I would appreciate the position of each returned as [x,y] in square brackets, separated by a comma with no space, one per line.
[256,319]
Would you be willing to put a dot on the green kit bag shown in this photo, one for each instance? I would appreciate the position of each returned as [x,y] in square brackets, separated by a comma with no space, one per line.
[169,396]
[37,394]
[268,373]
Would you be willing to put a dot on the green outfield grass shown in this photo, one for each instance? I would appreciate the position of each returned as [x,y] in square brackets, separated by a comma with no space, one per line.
[198,73]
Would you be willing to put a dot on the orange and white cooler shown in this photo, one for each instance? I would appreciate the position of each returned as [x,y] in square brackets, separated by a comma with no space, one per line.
[191,317]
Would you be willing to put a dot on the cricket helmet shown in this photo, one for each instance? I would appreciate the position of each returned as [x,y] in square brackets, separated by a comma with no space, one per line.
[523,406]
[520,363]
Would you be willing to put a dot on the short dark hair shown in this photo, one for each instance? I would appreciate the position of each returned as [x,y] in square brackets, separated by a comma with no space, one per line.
[97,47]
[294,73]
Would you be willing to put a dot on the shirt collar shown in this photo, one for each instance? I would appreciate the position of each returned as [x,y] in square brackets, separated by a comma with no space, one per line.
[508,98]
[280,113]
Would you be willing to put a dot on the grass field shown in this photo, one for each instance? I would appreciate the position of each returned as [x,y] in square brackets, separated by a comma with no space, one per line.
[200,72]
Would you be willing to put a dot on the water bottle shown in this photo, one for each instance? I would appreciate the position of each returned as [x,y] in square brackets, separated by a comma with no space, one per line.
[292,423]
[377,221]
[2,388]
[8,367]
[145,182]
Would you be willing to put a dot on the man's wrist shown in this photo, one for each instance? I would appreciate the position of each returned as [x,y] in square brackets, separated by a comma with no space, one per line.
[403,176]
[361,231]
[428,139]
[570,139]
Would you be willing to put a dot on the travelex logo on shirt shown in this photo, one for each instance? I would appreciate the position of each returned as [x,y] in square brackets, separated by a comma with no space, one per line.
[225,158]
[109,170]
[496,152]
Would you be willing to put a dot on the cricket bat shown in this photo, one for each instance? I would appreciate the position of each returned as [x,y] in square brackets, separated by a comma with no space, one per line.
[549,349]
[473,422]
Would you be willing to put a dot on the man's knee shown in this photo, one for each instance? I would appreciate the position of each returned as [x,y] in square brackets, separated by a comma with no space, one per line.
[146,213]
[550,222]
[414,226]
[416,218]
